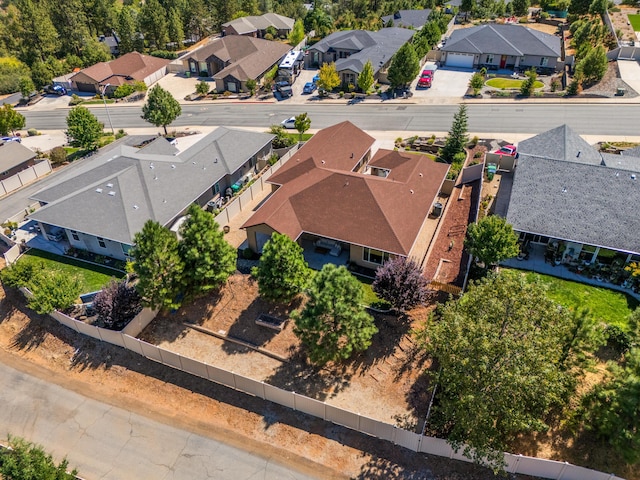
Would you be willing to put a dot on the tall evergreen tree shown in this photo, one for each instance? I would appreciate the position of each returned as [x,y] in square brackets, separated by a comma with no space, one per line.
[175,31]
[127,29]
[282,272]
[158,265]
[404,66]
[333,324]
[38,29]
[71,25]
[458,136]
[161,108]
[208,259]
[153,23]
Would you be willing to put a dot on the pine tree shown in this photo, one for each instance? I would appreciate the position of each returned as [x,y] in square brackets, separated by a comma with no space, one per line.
[333,324]
[175,30]
[458,137]
[158,265]
[404,66]
[282,272]
[208,259]
[153,22]
[127,30]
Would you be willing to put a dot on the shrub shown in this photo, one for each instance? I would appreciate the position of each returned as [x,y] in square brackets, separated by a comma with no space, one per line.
[164,54]
[474,141]
[273,159]
[121,133]
[58,155]
[477,155]
[75,100]
[247,253]
[117,304]
[32,132]
[555,85]
[400,282]
[124,90]
[203,73]
[618,339]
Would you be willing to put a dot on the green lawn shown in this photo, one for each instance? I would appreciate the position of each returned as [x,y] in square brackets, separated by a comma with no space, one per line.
[91,277]
[510,83]
[610,306]
[296,136]
[635,22]
[370,298]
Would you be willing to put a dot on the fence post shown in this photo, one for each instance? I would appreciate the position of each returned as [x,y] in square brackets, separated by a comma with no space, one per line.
[564,467]
[515,470]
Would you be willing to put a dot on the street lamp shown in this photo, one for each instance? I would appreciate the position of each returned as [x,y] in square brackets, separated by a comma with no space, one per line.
[104,89]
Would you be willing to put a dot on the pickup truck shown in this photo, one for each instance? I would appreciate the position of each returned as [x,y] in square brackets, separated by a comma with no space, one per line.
[426,77]
[284,89]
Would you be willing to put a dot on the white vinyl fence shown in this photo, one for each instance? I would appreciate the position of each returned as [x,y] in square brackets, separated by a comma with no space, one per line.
[27,175]
[418,443]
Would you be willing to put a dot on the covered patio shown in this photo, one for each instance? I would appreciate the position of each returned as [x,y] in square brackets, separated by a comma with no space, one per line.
[318,256]
[537,262]
[29,234]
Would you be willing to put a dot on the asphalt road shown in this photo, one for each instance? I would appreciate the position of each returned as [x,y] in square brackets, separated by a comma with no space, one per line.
[586,119]
[110,443]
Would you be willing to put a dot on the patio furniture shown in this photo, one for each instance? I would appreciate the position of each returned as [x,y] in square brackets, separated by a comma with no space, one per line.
[333,247]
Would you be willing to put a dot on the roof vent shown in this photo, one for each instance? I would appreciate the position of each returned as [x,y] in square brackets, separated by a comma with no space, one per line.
[193,163]
[135,207]
[346,184]
[352,155]
[617,174]
[151,166]
[564,189]
[99,190]
[112,193]
[578,155]
[323,162]
[633,176]
[420,174]
[216,160]
[164,200]
[411,192]
[155,177]
[110,185]
[173,166]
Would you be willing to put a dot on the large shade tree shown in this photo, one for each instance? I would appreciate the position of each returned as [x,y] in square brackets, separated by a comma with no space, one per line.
[333,324]
[504,350]
[282,272]
[404,66]
[83,128]
[161,108]
[491,240]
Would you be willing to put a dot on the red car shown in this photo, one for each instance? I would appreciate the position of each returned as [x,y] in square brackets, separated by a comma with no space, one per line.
[426,78]
[510,150]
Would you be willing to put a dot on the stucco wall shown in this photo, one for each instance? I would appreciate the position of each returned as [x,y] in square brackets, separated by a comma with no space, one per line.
[90,243]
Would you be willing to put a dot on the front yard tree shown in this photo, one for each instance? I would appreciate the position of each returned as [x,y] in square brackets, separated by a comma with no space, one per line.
[208,258]
[10,120]
[594,65]
[334,324]
[26,461]
[527,86]
[53,290]
[26,87]
[401,283]
[328,77]
[500,349]
[202,88]
[158,265]
[117,304]
[366,78]
[404,66]
[476,83]
[297,33]
[612,408]
[491,240]
[84,128]
[282,272]
[458,136]
[161,108]
[302,123]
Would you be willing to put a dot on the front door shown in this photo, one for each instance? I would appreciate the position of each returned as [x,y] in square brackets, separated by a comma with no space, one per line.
[503,61]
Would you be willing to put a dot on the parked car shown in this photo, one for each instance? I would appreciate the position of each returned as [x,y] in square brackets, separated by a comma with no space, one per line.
[55,90]
[11,139]
[309,87]
[284,89]
[289,122]
[510,150]
[426,77]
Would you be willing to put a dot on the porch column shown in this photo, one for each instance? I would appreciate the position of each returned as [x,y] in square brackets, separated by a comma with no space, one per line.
[595,255]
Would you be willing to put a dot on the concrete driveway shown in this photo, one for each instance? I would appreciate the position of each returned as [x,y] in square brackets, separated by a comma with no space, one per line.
[630,73]
[181,86]
[447,83]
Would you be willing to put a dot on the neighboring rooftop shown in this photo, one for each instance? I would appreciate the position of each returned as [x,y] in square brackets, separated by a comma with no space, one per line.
[13,154]
[131,185]
[561,143]
[131,66]
[244,25]
[514,40]
[408,18]
[378,47]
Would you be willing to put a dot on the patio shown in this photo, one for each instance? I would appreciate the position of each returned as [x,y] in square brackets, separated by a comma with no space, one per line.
[28,233]
[537,263]
[317,257]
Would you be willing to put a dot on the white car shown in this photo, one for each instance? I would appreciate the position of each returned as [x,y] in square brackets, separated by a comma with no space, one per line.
[289,123]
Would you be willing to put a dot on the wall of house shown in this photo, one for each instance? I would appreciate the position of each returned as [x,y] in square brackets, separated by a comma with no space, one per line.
[18,168]
[252,238]
[155,76]
[356,255]
[91,243]
[534,61]
[84,83]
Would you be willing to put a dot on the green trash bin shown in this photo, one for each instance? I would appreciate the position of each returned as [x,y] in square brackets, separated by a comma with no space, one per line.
[187,74]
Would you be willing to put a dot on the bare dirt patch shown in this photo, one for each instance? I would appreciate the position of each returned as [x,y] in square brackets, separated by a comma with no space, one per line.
[377,383]
[621,23]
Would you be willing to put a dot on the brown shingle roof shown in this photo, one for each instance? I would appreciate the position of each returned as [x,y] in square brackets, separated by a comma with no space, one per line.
[133,64]
[376,212]
[249,57]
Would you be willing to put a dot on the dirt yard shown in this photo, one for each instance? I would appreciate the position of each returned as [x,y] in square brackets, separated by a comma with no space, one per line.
[41,347]
[379,383]
[621,23]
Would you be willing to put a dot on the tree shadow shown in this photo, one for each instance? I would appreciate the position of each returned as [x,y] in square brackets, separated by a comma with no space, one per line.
[299,376]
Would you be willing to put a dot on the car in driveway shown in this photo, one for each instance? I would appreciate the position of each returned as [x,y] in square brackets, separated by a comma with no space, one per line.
[510,150]
[284,89]
[426,77]
[289,123]
[309,88]
[10,139]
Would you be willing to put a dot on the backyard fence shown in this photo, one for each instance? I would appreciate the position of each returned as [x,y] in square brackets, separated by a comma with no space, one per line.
[11,255]
[240,202]
[418,443]
[21,215]
[27,175]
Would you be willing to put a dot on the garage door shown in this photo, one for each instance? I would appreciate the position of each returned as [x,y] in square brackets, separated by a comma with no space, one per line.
[461,60]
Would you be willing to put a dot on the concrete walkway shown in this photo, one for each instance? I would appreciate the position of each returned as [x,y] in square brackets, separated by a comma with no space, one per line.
[110,443]
[630,73]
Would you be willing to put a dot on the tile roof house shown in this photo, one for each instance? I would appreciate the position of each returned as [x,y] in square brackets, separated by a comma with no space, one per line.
[128,68]
[101,208]
[503,46]
[333,194]
[14,157]
[351,49]
[256,26]
[234,59]
[408,18]
[564,190]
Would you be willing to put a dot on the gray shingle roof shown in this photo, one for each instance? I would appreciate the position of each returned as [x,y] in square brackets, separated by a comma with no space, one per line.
[591,204]
[13,154]
[514,40]
[115,198]
[408,18]
[623,162]
[560,143]
[260,22]
[378,47]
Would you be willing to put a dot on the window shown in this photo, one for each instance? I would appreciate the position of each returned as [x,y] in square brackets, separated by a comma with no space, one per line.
[544,61]
[101,243]
[374,256]
[216,188]
[125,249]
[75,236]
[490,58]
